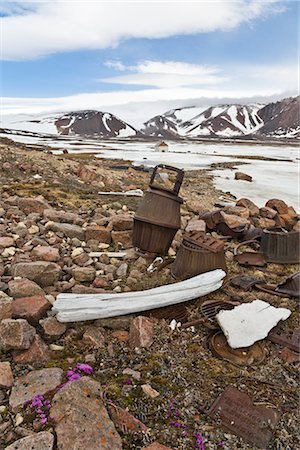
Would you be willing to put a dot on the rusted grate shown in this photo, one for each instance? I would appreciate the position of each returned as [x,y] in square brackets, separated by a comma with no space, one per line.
[236,413]
[200,239]
[286,338]
[211,308]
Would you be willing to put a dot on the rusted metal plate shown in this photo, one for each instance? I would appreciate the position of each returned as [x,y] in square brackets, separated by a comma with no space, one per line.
[286,338]
[236,413]
[251,259]
[241,356]
[245,281]
[291,286]
[204,241]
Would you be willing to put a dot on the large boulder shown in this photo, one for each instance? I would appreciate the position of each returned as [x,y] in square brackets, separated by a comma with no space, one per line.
[82,421]
[37,441]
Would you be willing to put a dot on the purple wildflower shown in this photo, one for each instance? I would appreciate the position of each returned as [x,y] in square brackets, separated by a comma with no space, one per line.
[128,382]
[85,368]
[177,425]
[221,444]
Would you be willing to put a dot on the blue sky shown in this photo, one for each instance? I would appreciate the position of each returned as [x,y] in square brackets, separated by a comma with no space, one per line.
[145,51]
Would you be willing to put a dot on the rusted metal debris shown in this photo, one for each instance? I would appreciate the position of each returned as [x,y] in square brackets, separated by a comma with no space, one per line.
[253,233]
[281,246]
[158,216]
[243,356]
[211,308]
[249,258]
[286,338]
[198,253]
[288,356]
[215,222]
[245,282]
[290,286]
[235,412]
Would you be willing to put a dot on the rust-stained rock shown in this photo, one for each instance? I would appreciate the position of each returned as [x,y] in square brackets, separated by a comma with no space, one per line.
[37,353]
[141,332]
[122,237]
[30,308]
[82,421]
[121,222]
[37,441]
[24,288]
[265,223]
[84,274]
[267,212]
[234,221]
[98,233]
[42,272]
[34,383]
[247,203]
[279,205]
[241,211]
[120,335]
[87,174]
[93,337]
[196,224]
[6,375]
[16,334]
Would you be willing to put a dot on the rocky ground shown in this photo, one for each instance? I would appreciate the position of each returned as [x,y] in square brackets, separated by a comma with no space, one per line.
[127,382]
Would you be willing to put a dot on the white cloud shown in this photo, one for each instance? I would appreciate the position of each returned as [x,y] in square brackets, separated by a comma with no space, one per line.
[165,74]
[59,26]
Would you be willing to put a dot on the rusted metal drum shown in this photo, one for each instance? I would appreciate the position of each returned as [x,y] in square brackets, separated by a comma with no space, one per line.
[192,259]
[281,246]
[158,216]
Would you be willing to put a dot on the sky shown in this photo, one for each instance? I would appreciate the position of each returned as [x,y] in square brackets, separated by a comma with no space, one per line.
[140,58]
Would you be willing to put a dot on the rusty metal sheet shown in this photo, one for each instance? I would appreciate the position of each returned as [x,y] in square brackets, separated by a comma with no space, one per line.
[204,241]
[251,259]
[241,356]
[291,286]
[286,338]
[236,413]
[245,281]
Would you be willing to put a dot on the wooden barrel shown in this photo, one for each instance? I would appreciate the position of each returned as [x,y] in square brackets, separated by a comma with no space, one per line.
[281,246]
[192,260]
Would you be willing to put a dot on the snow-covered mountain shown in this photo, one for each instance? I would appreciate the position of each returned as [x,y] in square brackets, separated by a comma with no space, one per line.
[280,120]
[78,123]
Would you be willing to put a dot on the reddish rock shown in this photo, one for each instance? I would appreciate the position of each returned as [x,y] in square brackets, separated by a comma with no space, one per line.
[242,176]
[296,227]
[78,411]
[45,253]
[5,306]
[267,212]
[82,260]
[36,382]
[6,242]
[100,283]
[16,334]
[156,446]
[234,221]
[246,203]
[122,237]
[240,211]
[37,353]
[6,375]
[121,335]
[80,289]
[24,288]
[280,222]
[87,174]
[42,272]
[30,308]
[93,337]
[53,329]
[141,332]
[36,441]
[84,274]
[98,233]
[196,224]
[121,222]
[124,421]
[265,223]
[279,205]
[33,205]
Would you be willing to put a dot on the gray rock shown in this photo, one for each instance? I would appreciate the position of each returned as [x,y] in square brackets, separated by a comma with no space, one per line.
[39,441]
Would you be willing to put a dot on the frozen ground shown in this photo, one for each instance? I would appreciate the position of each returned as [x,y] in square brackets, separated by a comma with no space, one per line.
[275,177]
